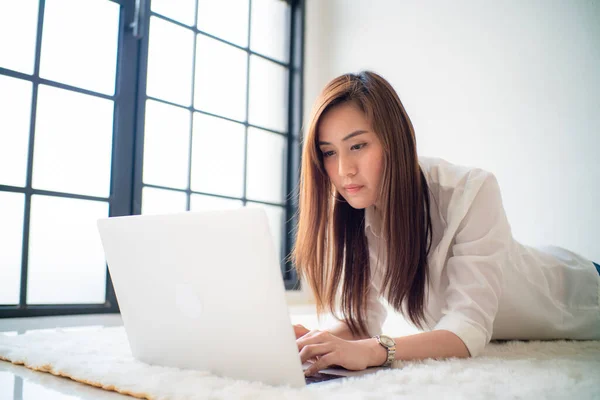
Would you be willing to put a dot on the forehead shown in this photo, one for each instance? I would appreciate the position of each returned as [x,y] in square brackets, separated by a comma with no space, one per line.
[340,120]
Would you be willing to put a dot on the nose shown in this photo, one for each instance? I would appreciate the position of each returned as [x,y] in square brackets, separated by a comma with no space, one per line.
[346,166]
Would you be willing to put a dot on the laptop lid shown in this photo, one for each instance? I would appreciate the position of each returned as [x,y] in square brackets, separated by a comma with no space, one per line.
[203,290]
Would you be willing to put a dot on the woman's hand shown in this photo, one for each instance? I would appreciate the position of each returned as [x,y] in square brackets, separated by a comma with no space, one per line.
[326,349]
[300,331]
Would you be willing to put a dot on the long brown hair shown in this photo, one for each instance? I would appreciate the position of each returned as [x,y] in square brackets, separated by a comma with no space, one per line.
[331,246]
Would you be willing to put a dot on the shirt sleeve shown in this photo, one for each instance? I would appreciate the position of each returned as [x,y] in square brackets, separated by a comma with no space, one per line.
[474,270]
[376,312]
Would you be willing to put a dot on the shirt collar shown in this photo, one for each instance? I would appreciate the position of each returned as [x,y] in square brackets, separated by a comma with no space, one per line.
[373,221]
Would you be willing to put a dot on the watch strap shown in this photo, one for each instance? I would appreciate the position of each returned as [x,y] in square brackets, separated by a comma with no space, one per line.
[391,350]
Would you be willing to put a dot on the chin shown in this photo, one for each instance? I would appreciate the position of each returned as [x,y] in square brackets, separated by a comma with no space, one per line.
[359,204]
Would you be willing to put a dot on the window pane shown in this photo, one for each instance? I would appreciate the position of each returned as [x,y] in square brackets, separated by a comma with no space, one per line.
[266,166]
[66,261]
[166,145]
[200,202]
[270,28]
[170,56]
[159,201]
[226,19]
[276,216]
[73,142]
[218,156]
[79,43]
[11,237]
[179,10]
[18,21]
[220,78]
[15,108]
[268,94]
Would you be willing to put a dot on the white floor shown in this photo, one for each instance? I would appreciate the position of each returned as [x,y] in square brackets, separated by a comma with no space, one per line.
[17,382]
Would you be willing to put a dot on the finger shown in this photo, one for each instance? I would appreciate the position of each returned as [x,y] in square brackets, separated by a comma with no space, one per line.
[313,337]
[315,351]
[323,363]
[312,333]
[305,339]
[300,331]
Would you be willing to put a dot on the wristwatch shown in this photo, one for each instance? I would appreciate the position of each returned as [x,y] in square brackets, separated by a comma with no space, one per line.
[389,344]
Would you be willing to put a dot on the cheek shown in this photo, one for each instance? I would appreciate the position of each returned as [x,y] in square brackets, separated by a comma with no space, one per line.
[379,169]
[375,167]
[329,169]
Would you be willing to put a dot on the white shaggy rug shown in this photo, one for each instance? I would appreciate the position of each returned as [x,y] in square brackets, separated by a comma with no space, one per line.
[512,370]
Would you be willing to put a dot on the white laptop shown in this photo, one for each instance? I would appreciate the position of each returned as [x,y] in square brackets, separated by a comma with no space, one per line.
[204,291]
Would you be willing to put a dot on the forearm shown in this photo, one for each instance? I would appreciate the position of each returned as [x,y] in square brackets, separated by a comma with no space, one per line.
[435,344]
[341,330]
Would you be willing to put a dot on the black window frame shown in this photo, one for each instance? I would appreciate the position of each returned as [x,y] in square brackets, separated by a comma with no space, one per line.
[128,133]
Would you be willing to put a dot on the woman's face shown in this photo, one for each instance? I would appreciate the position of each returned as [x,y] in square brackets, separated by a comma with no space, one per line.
[352,154]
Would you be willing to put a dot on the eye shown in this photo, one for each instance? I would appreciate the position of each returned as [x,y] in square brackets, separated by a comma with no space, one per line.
[358,146]
[328,153]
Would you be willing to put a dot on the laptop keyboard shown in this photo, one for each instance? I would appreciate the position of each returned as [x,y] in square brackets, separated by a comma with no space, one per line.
[320,377]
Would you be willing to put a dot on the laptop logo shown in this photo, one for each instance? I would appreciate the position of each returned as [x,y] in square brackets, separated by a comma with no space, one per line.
[187,301]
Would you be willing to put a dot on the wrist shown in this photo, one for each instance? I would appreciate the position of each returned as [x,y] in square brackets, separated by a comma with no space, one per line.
[378,353]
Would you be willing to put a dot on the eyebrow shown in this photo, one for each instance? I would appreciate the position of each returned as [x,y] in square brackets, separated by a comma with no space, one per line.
[349,136]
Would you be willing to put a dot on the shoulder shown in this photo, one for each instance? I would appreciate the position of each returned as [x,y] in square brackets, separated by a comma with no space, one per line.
[457,189]
[445,175]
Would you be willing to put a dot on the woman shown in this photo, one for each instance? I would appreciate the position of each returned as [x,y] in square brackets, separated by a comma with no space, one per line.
[430,237]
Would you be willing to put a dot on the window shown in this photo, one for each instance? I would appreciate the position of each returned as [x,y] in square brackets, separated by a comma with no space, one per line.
[187,105]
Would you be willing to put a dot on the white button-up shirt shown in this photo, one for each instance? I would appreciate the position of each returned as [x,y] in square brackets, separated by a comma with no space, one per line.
[484,284]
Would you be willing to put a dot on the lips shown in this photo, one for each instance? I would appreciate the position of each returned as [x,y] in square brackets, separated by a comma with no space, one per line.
[352,189]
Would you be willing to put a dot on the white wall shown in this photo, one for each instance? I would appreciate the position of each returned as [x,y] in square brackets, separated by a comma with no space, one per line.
[510,86]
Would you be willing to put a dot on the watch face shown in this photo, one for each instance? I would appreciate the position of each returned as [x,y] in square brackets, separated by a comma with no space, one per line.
[387,341]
